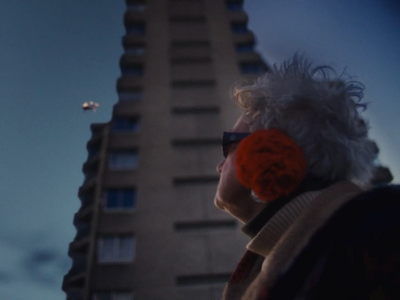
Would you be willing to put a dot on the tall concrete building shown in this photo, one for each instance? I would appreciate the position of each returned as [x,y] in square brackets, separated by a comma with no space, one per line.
[147,227]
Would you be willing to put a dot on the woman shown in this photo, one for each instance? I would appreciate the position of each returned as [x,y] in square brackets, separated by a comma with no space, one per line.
[289,174]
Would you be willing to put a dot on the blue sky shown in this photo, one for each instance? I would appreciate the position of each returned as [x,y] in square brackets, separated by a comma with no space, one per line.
[57,54]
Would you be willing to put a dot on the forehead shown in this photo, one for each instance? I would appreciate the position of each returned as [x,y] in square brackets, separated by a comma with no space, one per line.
[241,126]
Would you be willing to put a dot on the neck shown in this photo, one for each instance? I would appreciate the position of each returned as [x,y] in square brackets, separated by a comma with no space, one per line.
[259,220]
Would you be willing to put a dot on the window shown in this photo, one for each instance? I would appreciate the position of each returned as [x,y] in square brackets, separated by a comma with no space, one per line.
[137,7]
[130,95]
[116,249]
[125,124]
[252,68]
[138,29]
[233,5]
[113,296]
[122,160]
[124,199]
[239,28]
[137,50]
[245,48]
[135,70]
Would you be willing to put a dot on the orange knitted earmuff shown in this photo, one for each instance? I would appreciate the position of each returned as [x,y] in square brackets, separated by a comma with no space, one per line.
[270,164]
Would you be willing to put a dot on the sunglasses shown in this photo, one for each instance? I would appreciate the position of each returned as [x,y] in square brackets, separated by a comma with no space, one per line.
[230,138]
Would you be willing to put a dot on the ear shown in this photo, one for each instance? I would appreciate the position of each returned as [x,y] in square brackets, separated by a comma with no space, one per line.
[270,164]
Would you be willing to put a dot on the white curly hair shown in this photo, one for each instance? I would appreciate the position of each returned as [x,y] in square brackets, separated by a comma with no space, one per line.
[319,111]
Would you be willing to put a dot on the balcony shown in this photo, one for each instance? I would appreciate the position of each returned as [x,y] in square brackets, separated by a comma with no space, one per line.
[127,108]
[87,199]
[82,231]
[134,70]
[137,51]
[92,164]
[129,40]
[234,5]
[81,242]
[76,277]
[133,16]
[245,37]
[135,29]
[97,133]
[244,57]
[93,152]
[136,6]
[90,181]
[132,59]
[237,16]
[129,83]
[75,295]
[84,214]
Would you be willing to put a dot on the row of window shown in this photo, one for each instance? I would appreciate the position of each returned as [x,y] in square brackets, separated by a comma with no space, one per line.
[114,199]
[137,70]
[140,50]
[123,160]
[231,5]
[136,6]
[134,96]
[112,249]
[132,70]
[121,124]
[112,296]
[122,248]
[139,29]
[120,199]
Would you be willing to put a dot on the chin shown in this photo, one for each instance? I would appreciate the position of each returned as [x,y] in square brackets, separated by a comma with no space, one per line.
[218,203]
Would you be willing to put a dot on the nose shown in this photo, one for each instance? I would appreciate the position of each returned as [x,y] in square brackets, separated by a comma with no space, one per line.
[219,166]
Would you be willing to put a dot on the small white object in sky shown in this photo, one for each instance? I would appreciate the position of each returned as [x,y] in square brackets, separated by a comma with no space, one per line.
[90,106]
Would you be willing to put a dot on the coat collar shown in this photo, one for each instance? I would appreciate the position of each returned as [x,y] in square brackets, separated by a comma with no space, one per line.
[269,235]
[265,240]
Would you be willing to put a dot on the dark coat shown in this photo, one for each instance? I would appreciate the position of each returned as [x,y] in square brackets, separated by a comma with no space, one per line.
[354,255]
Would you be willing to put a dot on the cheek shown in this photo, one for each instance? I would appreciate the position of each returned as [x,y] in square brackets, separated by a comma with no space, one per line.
[233,189]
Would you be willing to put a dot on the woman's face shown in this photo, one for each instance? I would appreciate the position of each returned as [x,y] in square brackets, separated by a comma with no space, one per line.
[231,195]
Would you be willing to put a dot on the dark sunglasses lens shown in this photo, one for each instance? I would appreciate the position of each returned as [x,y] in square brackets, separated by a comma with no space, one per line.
[225,150]
[230,138]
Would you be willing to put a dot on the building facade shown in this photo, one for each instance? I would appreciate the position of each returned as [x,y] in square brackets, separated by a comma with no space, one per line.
[147,227]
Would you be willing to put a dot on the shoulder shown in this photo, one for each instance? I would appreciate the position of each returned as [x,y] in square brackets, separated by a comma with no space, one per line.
[355,251]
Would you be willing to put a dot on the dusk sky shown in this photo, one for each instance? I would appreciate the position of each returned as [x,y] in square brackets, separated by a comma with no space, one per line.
[57,54]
